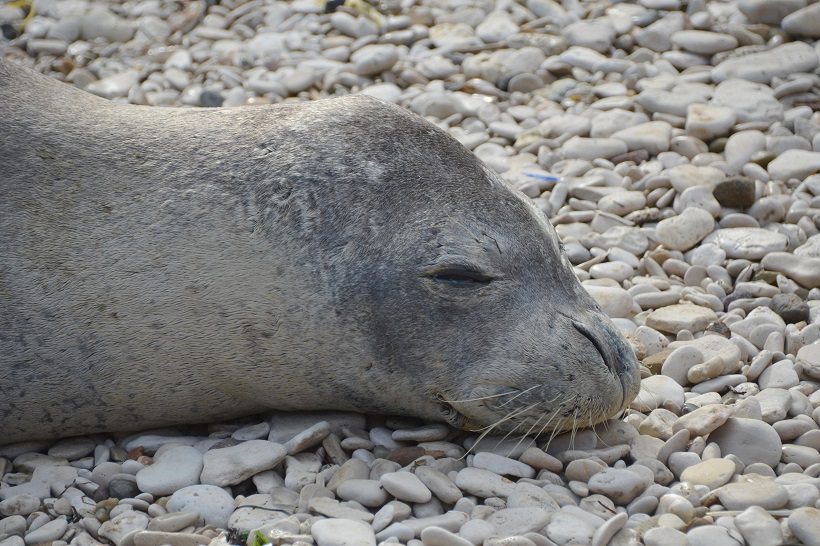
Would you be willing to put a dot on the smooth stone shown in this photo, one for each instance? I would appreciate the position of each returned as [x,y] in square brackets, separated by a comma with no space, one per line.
[231,465]
[803,22]
[620,485]
[802,269]
[565,528]
[435,536]
[368,493]
[342,532]
[758,491]
[703,420]
[374,59]
[518,521]
[758,527]
[652,136]
[748,243]
[257,431]
[213,504]
[335,509]
[503,466]
[712,473]
[114,86]
[177,468]
[709,121]
[496,27]
[804,523]
[752,102]
[591,148]
[749,440]
[703,42]
[72,448]
[19,505]
[711,535]
[158,538]
[439,484]
[763,66]
[405,486]
[622,203]
[674,318]
[657,390]
[684,231]
[121,528]
[808,357]
[49,532]
[770,12]
[483,483]
[794,164]
[614,300]
[172,521]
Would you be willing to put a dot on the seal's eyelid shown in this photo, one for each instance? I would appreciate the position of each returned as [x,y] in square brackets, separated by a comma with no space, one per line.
[461,277]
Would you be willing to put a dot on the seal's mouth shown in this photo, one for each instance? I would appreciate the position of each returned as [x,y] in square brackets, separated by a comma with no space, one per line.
[450,413]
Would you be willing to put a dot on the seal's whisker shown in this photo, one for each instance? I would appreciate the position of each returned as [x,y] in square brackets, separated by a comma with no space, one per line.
[526,434]
[487,430]
[499,395]
[519,394]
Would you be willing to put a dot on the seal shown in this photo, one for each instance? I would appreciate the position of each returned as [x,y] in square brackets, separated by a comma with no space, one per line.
[163,266]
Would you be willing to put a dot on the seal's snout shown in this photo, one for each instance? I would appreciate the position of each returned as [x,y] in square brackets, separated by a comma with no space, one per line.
[613,349]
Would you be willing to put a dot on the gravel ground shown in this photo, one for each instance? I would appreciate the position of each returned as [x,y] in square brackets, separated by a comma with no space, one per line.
[674,144]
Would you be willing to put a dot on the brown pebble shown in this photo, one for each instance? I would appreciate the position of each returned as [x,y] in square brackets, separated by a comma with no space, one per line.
[135,453]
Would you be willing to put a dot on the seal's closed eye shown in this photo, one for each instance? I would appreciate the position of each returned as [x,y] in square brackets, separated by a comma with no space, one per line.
[461,278]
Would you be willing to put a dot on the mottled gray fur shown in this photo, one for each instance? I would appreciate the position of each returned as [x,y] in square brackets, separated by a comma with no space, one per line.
[162,266]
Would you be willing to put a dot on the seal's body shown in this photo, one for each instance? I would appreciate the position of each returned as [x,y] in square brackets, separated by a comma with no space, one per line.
[162,266]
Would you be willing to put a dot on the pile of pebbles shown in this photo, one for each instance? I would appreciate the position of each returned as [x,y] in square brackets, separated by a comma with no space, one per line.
[674,144]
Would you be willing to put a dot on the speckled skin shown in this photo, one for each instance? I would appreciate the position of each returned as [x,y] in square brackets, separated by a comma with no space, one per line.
[162,266]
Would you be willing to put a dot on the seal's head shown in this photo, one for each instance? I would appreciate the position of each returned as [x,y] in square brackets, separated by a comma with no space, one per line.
[473,312]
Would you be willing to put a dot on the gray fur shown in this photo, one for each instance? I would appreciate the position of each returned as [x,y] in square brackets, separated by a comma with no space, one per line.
[162,266]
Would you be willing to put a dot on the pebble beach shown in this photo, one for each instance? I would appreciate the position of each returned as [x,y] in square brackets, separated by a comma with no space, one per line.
[675,146]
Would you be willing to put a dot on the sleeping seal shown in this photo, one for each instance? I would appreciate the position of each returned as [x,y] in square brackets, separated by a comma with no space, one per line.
[162,266]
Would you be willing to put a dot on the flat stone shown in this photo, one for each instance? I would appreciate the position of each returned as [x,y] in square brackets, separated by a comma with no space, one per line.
[213,504]
[674,318]
[758,527]
[703,420]
[158,538]
[748,243]
[775,63]
[342,532]
[622,486]
[749,440]
[750,101]
[518,521]
[652,136]
[614,300]
[805,524]
[231,465]
[439,484]
[657,390]
[483,483]
[803,22]
[177,468]
[49,532]
[757,491]
[684,231]
[712,473]
[703,42]
[709,121]
[121,528]
[794,164]
[405,486]
[503,466]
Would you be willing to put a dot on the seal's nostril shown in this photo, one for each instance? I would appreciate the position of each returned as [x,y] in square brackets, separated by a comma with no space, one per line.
[606,354]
